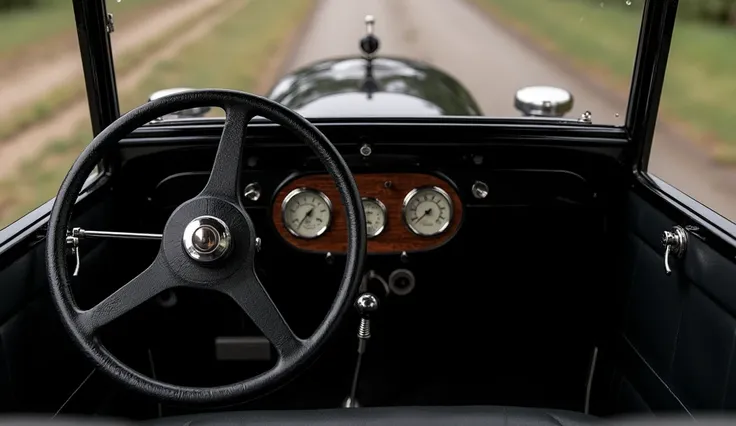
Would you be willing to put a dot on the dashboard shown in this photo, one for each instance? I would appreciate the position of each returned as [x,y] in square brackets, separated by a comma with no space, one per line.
[405,212]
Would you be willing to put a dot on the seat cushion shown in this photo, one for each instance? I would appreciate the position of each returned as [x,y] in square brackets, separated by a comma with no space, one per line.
[403,416]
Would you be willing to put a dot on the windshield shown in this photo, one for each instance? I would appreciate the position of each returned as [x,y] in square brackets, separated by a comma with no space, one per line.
[498,58]
[434,57]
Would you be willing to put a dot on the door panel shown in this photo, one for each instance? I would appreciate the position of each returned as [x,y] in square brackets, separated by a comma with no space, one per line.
[676,338]
[40,367]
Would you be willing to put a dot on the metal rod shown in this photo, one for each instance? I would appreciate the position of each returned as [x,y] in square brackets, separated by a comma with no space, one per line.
[589,384]
[356,377]
[84,233]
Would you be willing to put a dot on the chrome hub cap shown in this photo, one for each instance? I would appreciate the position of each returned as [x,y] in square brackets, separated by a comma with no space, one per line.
[207,239]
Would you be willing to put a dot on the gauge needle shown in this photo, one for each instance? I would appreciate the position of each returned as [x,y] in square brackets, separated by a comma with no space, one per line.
[309,213]
[426,212]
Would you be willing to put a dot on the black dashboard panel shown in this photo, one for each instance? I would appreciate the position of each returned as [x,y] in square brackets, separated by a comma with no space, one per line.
[513,275]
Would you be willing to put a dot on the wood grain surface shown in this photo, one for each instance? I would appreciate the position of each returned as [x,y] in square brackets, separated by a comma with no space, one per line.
[390,189]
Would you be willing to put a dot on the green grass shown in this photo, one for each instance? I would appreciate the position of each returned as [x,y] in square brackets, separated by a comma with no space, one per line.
[44,23]
[700,84]
[63,96]
[235,55]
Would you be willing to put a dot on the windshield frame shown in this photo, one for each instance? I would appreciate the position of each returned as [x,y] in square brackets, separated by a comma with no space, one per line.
[655,36]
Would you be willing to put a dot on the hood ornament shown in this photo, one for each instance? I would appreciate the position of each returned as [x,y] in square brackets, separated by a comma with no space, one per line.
[369,45]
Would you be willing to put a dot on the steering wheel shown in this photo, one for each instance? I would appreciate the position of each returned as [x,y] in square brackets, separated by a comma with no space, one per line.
[208,243]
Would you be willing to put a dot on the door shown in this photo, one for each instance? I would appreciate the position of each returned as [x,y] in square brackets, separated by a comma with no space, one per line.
[674,329]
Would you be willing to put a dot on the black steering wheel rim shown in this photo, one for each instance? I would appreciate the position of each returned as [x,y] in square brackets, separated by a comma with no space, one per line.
[241,107]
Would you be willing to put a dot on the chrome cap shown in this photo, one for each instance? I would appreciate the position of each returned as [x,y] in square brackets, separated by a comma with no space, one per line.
[543,101]
[366,303]
[206,239]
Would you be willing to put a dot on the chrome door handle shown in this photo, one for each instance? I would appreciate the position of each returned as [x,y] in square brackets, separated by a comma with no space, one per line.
[675,243]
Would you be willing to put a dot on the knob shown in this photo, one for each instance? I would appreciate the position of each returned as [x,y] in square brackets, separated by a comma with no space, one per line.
[366,304]
[253,191]
[480,190]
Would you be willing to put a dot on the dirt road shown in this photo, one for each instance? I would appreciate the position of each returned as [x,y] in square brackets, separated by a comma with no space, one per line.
[27,144]
[28,85]
[493,64]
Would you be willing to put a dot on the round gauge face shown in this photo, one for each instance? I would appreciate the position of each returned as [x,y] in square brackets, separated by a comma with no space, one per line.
[306,213]
[427,211]
[375,216]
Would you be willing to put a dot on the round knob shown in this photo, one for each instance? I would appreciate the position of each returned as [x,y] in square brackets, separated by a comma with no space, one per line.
[366,304]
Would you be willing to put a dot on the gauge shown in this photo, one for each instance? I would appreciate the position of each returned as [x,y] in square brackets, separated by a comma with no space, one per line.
[306,212]
[375,216]
[427,211]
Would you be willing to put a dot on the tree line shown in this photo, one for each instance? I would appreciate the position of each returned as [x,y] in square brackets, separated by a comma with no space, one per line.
[717,12]
[18,4]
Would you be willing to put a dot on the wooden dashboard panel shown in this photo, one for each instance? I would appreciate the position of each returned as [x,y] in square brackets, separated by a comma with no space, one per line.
[395,238]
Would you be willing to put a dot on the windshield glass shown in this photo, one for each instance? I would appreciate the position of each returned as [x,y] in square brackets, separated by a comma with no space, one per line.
[433,57]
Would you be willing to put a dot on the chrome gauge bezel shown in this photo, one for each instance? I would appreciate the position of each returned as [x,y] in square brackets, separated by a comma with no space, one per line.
[299,191]
[411,195]
[385,215]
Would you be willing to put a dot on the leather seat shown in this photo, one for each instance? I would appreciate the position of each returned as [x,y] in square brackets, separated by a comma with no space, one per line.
[401,416]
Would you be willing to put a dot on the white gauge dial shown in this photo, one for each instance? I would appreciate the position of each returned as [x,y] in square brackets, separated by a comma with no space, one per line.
[427,211]
[306,213]
[375,216]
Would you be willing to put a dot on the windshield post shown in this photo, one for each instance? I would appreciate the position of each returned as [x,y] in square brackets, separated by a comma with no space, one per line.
[655,37]
[97,62]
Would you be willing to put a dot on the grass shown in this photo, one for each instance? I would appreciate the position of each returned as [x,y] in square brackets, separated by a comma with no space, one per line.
[233,55]
[43,25]
[602,41]
[65,95]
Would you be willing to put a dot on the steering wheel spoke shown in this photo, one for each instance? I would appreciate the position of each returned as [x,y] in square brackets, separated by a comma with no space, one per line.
[225,177]
[253,299]
[149,283]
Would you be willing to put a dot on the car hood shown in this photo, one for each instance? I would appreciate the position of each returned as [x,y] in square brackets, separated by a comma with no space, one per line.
[383,86]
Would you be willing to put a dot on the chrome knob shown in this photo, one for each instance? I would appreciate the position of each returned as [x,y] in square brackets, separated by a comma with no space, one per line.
[206,239]
[253,191]
[480,190]
[366,304]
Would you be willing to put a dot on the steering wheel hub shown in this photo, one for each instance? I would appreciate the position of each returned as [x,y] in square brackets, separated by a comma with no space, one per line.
[207,239]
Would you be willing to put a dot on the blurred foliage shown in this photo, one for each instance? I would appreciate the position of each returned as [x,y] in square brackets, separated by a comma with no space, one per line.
[16,4]
[722,12]
[716,11]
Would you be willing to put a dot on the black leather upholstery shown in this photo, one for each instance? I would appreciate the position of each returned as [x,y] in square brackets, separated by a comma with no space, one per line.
[404,416]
